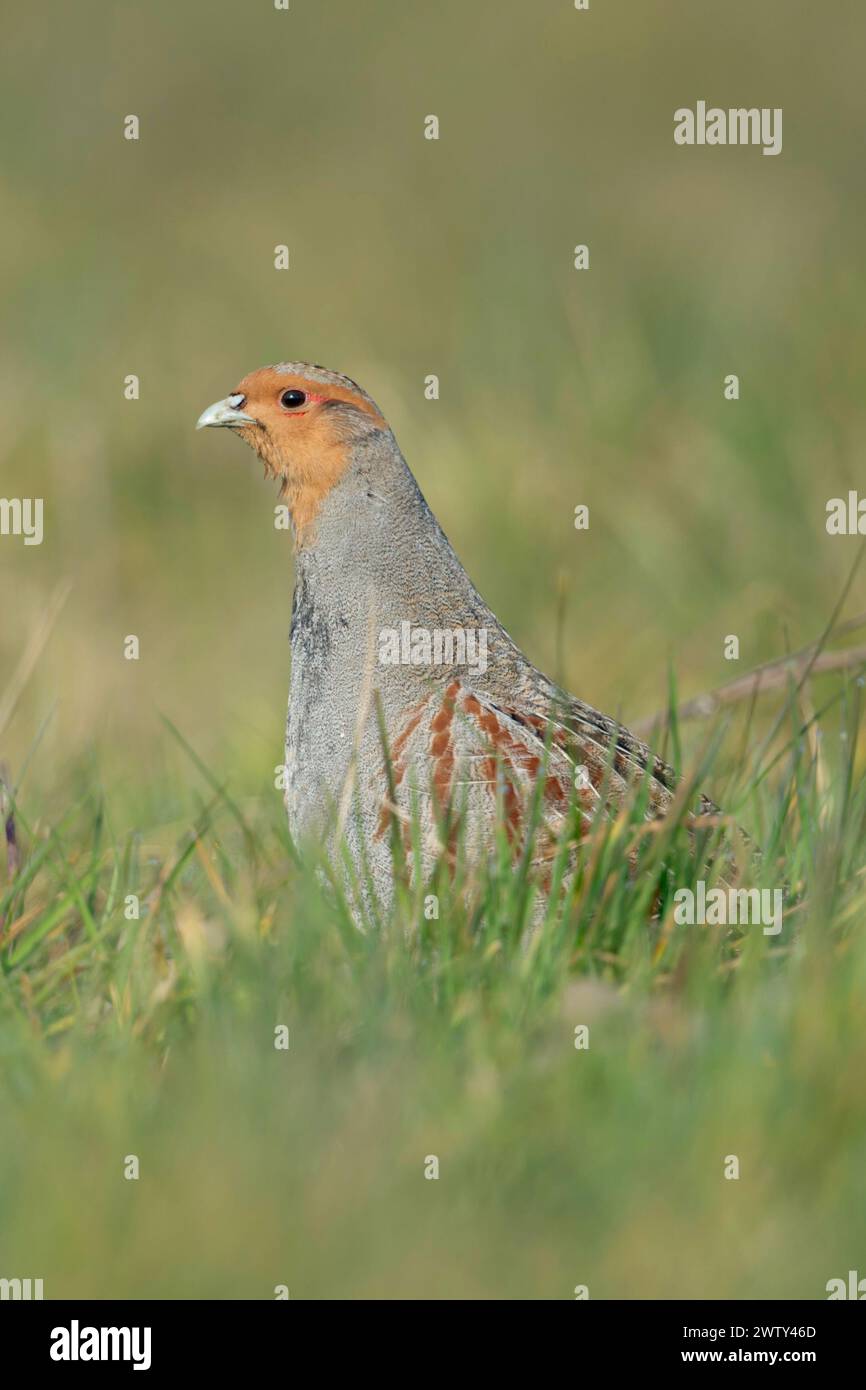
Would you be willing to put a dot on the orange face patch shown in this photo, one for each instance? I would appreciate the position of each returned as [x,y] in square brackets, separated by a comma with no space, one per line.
[308,445]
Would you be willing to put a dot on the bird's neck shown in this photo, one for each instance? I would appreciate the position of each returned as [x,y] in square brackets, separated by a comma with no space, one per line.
[376,559]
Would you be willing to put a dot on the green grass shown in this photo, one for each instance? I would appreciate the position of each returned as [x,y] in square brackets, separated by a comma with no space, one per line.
[452,1037]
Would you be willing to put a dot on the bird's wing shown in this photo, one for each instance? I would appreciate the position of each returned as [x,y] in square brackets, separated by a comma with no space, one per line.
[535,758]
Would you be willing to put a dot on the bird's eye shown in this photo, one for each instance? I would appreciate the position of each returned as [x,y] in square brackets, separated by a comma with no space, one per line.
[292,399]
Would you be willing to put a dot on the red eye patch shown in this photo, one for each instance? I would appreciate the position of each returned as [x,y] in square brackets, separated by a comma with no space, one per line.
[310,397]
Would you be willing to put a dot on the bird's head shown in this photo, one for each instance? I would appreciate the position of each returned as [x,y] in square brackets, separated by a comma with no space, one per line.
[303,421]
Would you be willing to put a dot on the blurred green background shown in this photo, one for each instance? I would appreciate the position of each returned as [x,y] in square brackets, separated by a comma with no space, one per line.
[558,387]
[408,257]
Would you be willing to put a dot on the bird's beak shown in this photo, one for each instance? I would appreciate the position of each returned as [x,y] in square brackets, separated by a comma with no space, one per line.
[225,412]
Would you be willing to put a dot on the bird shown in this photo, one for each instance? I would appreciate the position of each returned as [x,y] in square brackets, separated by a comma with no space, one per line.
[413,716]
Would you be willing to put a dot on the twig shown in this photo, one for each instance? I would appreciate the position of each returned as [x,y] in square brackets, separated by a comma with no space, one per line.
[771,676]
[8,815]
[13,858]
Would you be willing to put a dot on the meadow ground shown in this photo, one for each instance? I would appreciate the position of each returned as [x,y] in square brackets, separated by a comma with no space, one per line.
[305,1167]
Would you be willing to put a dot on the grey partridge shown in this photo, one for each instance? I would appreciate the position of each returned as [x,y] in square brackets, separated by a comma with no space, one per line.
[409,704]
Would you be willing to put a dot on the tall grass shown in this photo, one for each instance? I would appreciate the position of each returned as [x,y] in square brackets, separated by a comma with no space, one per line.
[452,1035]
